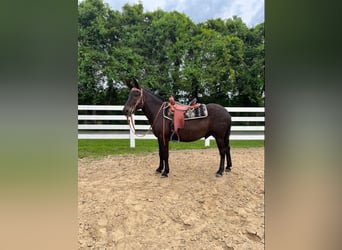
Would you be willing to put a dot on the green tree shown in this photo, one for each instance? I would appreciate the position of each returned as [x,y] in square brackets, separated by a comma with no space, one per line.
[209,65]
[92,51]
[218,60]
[250,79]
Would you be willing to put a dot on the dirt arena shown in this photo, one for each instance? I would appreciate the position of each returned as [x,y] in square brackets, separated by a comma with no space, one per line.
[123,204]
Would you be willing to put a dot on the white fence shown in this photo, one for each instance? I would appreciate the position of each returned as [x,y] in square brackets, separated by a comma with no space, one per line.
[112,124]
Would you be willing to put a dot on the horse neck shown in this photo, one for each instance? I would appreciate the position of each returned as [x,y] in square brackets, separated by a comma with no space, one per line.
[151,106]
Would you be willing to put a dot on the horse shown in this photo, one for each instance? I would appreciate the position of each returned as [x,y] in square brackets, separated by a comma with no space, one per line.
[216,124]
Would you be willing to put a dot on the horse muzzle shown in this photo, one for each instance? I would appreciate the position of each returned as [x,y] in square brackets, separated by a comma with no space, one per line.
[128,111]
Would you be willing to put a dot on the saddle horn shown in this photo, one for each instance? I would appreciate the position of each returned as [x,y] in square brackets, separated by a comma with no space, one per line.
[193,102]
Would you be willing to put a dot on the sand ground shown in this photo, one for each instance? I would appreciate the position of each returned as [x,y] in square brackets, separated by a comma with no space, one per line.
[123,204]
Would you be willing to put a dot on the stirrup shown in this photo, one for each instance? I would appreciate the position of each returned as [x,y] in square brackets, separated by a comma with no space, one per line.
[172,135]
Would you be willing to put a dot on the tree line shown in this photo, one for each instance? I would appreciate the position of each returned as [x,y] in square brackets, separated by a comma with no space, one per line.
[218,60]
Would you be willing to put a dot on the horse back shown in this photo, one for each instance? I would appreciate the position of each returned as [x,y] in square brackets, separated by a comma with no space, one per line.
[217,122]
[217,111]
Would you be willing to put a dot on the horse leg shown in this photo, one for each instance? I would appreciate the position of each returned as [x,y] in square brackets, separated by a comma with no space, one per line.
[165,156]
[161,161]
[229,160]
[226,143]
[222,150]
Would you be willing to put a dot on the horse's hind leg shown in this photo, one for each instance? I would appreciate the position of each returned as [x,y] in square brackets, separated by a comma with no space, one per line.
[222,150]
[229,160]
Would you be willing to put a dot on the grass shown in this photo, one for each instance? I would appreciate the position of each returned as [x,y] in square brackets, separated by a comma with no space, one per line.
[100,148]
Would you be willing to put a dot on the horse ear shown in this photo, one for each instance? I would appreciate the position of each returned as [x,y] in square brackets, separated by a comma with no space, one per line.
[128,84]
[136,84]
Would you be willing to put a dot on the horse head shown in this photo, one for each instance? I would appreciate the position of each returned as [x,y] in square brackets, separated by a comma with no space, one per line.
[135,98]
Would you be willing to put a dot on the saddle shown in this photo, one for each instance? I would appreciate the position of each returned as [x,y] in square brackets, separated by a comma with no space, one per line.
[180,112]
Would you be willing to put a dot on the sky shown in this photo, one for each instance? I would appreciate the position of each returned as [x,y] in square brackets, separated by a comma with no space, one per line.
[251,11]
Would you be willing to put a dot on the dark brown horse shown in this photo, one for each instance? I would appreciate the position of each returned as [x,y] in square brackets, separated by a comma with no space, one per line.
[217,124]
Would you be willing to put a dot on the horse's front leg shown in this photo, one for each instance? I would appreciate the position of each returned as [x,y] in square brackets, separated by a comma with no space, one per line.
[165,157]
[161,161]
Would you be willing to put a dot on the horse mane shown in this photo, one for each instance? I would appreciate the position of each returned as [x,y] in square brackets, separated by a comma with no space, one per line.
[154,94]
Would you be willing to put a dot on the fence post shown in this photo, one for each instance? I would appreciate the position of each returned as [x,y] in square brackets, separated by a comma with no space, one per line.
[207,142]
[132,133]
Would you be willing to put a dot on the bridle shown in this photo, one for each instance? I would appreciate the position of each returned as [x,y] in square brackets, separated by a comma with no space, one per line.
[129,117]
[140,100]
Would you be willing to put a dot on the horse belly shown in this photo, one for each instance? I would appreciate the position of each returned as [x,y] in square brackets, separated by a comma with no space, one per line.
[193,130]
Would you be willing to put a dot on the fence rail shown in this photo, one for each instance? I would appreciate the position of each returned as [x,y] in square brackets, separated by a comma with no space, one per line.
[248,125]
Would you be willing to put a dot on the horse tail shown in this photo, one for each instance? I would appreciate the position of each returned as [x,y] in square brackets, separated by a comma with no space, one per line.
[227,134]
[227,141]
[229,124]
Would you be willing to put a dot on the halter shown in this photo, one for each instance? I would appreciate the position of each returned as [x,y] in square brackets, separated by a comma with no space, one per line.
[141,99]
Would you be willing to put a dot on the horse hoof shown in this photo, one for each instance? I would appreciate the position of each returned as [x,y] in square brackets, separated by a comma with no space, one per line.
[228,170]
[164,176]
[218,175]
[157,172]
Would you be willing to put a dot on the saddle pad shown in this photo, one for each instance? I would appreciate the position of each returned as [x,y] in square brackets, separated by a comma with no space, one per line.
[192,113]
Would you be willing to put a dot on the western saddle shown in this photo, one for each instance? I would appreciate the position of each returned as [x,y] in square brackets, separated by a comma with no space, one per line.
[177,111]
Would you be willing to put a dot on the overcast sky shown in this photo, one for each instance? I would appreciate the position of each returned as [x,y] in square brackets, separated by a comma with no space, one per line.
[251,11]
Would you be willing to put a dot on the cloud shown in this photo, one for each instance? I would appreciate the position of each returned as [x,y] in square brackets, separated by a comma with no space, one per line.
[251,11]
